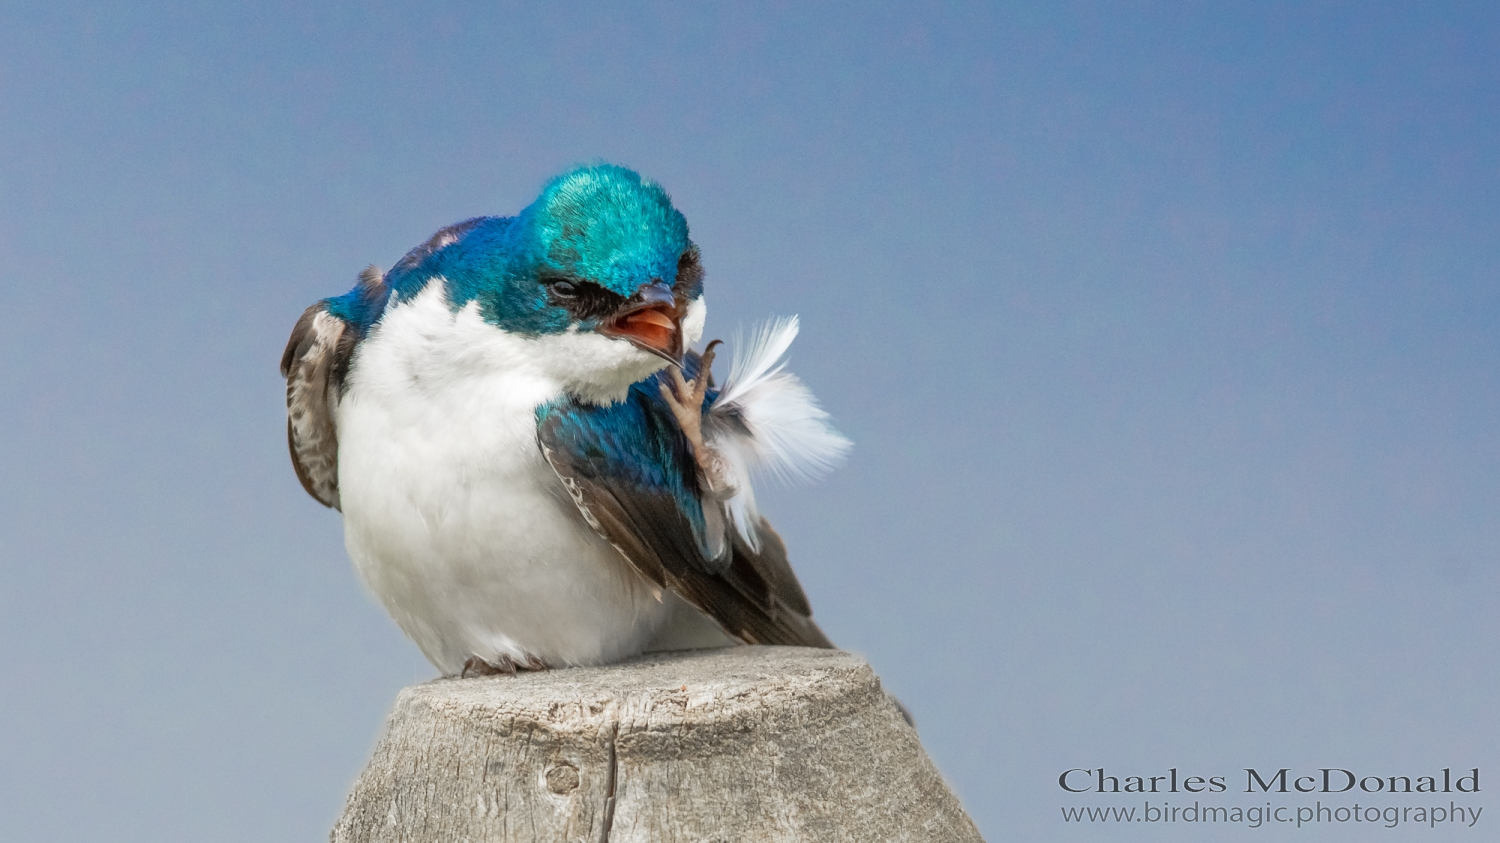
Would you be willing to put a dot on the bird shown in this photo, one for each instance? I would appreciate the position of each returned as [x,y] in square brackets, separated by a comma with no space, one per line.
[533,467]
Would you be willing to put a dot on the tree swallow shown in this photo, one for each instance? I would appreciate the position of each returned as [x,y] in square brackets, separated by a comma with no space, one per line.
[532,468]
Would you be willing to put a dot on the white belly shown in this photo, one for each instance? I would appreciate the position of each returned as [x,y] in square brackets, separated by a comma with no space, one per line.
[476,555]
[456,522]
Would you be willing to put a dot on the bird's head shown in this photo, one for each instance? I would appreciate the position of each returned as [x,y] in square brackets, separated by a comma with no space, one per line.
[599,269]
[610,254]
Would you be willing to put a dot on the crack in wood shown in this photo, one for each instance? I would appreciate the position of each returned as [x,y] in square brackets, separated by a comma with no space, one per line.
[609,784]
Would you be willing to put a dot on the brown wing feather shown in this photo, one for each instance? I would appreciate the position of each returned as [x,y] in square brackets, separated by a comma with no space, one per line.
[758,599]
[314,363]
[755,599]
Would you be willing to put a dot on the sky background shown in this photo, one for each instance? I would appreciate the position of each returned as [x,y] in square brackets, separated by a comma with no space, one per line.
[1167,334]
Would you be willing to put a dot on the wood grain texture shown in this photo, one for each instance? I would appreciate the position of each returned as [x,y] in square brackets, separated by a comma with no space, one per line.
[745,743]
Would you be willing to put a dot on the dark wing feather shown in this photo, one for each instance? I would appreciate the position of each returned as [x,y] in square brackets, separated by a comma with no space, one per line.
[628,469]
[314,364]
[758,599]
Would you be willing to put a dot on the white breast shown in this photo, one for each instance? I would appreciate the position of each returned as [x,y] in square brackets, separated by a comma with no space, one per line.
[452,516]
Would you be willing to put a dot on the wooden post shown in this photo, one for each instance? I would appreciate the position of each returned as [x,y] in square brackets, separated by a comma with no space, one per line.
[740,744]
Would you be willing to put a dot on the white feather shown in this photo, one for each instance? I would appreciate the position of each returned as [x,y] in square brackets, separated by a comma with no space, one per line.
[785,433]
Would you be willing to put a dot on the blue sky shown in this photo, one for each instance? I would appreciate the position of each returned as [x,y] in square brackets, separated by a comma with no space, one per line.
[1166,334]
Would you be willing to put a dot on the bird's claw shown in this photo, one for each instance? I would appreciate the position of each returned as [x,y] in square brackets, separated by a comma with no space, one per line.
[503,664]
[685,397]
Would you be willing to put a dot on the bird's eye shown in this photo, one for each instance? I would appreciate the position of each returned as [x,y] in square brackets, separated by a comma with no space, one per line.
[582,299]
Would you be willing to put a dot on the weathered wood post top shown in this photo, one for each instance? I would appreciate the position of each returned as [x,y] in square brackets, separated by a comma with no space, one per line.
[738,744]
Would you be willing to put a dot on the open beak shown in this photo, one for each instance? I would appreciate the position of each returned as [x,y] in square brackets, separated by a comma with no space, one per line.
[650,321]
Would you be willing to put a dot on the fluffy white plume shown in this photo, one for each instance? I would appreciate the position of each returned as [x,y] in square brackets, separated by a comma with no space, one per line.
[766,421]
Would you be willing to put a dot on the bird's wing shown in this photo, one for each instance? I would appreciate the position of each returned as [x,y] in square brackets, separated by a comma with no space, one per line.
[629,470]
[314,365]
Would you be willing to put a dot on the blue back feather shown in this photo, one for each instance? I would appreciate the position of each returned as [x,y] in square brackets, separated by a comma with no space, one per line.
[361,306]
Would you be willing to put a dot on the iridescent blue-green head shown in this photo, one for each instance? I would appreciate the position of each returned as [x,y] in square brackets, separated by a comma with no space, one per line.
[605,225]
[610,253]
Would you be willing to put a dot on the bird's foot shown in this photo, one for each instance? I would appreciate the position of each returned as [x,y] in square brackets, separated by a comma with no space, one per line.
[685,399]
[476,666]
